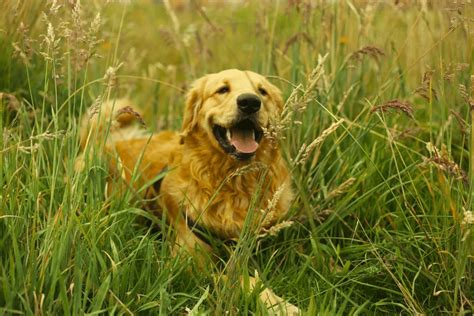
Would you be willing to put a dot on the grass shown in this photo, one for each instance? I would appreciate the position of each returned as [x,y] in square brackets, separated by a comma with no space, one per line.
[383,208]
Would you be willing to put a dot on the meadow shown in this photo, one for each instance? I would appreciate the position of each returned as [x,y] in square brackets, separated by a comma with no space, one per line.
[377,132]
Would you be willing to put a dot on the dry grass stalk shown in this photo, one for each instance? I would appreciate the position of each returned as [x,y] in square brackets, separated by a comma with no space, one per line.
[34,141]
[341,189]
[297,102]
[452,69]
[276,197]
[397,105]
[38,302]
[318,215]
[306,150]
[449,76]
[295,38]
[167,36]
[172,15]
[54,7]
[23,49]
[442,161]
[463,125]
[405,133]
[83,38]
[344,97]
[95,107]
[275,229]
[50,48]
[251,167]
[47,136]
[468,218]
[371,51]
[462,66]
[471,100]
[426,89]
[268,213]
[28,149]
[110,76]
[68,31]
[463,92]
[10,102]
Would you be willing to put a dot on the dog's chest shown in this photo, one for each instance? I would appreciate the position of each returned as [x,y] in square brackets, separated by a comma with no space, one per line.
[223,200]
[223,211]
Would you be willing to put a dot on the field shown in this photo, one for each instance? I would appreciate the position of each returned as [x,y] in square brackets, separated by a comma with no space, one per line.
[378,135]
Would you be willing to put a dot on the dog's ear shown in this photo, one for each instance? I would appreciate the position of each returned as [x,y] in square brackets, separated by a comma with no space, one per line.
[193,104]
[276,96]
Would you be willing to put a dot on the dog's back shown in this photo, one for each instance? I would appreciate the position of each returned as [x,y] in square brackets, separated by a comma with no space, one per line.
[116,128]
[115,119]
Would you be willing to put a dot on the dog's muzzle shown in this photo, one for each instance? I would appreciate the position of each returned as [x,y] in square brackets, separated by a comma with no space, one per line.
[241,139]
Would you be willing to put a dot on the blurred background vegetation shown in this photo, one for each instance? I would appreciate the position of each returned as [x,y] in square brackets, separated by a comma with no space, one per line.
[383,213]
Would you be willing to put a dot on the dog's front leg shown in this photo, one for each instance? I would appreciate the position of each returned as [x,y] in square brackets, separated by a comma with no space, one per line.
[185,240]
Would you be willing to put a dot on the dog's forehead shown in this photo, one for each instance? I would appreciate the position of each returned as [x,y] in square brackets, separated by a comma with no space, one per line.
[239,77]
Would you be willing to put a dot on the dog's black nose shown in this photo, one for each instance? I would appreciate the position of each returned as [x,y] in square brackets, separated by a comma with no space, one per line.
[248,103]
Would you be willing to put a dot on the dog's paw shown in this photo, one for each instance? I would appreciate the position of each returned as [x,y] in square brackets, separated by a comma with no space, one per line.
[277,305]
[289,309]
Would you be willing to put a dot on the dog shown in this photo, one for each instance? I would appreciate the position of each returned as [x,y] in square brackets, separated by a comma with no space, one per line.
[205,177]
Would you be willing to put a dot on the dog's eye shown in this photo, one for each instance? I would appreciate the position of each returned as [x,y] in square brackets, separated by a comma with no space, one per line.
[223,90]
[262,91]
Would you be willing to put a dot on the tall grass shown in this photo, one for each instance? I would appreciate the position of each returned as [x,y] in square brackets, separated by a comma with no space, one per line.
[379,139]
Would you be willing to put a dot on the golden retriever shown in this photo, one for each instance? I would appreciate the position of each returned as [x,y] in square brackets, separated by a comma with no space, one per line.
[207,176]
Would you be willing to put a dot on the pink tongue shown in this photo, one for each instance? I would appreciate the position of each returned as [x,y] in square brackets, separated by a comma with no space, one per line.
[243,140]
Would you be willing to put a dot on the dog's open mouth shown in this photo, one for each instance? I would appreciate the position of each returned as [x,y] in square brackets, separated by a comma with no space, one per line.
[241,140]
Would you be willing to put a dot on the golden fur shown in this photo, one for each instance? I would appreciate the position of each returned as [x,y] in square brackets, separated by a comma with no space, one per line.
[204,183]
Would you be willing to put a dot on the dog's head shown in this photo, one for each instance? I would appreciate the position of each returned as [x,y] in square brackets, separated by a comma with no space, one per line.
[232,107]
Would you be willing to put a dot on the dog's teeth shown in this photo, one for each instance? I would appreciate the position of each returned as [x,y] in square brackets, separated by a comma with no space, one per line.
[228,134]
[253,133]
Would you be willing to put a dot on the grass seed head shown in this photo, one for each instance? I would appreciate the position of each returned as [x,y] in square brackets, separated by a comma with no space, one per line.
[10,102]
[341,189]
[442,161]
[463,92]
[463,125]
[248,168]
[110,76]
[370,51]
[297,102]
[268,216]
[468,218]
[397,105]
[297,38]
[275,229]
[24,48]
[306,150]
[426,89]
